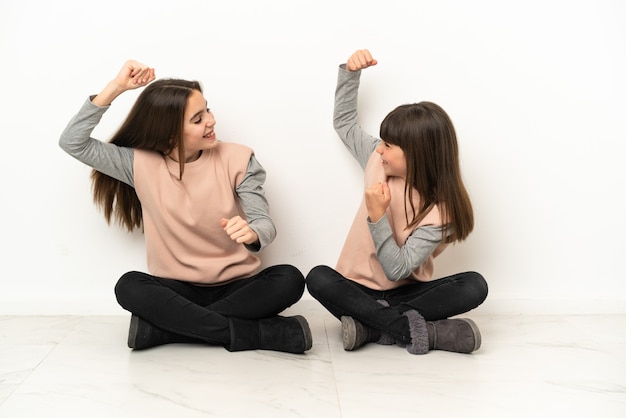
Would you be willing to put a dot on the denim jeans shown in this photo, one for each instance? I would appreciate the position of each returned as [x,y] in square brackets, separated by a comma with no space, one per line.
[202,312]
[437,299]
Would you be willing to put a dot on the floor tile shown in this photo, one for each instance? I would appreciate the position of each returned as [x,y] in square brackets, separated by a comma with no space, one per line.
[531,365]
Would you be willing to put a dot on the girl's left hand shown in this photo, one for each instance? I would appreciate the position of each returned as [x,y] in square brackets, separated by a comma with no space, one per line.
[377,199]
[361,59]
[239,231]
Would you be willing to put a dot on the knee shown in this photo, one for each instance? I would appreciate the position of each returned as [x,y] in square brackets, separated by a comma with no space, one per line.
[317,279]
[297,279]
[125,288]
[292,279]
[477,287]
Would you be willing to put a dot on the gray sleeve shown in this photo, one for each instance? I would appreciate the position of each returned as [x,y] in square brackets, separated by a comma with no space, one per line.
[255,205]
[76,140]
[399,262]
[359,143]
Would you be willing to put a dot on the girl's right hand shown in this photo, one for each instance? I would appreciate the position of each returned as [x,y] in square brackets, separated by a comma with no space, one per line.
[359,60]
[377,200]
[133,75]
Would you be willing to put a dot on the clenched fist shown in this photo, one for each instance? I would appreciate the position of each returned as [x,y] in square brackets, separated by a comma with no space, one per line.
[377,199]
[239,231]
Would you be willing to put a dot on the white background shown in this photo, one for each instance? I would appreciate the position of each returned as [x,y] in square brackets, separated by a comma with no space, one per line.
[536,90]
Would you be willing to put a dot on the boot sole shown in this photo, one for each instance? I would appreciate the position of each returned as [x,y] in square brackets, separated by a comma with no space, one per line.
[348,330]
[132,331]
[476,331]
[306,330]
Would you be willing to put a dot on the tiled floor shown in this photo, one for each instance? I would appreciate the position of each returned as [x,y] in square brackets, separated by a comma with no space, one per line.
[528,366]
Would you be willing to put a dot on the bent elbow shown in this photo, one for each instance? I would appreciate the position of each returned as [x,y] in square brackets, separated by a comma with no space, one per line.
[396,275]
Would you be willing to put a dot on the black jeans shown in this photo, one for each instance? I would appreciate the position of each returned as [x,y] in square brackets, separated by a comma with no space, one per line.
[202,312]
[437,299]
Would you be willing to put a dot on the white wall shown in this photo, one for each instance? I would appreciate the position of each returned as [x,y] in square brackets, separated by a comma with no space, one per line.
[536,90]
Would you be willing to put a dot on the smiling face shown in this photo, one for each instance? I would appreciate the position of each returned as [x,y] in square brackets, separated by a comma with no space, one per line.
[393,159]
[198,128]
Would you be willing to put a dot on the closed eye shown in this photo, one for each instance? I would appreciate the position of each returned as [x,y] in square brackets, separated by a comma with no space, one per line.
[199,120]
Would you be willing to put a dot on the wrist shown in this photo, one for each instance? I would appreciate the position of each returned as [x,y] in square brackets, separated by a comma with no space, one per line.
[374,217]
[108,94]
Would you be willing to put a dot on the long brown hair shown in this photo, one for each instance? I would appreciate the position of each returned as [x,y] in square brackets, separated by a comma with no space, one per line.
[154,123]
[426,134]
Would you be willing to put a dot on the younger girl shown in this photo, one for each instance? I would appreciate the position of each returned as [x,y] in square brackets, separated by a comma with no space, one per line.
[414,205]
[201,205]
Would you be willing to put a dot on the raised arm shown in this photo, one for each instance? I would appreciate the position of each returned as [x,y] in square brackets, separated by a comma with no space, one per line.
[76,140]
[360,143]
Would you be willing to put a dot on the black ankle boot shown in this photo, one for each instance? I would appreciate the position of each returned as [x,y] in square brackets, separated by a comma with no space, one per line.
[286,334]
[457,335]
[142,334]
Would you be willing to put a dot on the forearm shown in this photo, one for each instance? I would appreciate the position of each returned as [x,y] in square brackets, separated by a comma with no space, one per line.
[398,262]
[255,205]
[108,94]
[357,141]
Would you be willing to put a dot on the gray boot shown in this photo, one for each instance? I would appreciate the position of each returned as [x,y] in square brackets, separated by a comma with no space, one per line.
[286,334]
[457,335]
[419,333]
[356,335]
